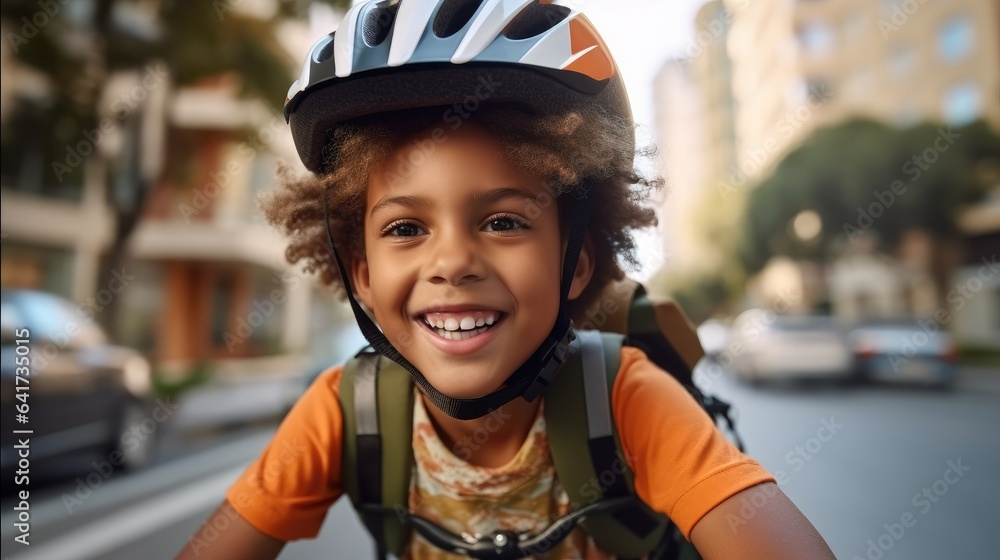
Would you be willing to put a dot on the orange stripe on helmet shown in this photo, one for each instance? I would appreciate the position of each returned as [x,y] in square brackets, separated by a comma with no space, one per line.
[597,63]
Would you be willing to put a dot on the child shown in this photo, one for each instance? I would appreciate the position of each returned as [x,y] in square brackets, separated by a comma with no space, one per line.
[457,149]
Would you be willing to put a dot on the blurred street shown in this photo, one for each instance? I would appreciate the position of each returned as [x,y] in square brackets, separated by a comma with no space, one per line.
[881,447]
[894,442]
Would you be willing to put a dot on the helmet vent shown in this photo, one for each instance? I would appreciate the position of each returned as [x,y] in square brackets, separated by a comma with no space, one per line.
[378,22]
[536,18]
[453,15]
[325,52]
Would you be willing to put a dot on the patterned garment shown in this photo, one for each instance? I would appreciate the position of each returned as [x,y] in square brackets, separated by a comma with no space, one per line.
[523,496]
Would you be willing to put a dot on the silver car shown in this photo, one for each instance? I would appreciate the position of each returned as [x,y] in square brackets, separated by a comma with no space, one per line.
[765,346]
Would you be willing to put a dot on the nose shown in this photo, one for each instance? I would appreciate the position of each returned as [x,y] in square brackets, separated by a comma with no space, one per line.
[454,258]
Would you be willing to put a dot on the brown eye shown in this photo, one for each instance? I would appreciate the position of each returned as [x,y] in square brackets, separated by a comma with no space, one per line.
[404,229]
[504,223]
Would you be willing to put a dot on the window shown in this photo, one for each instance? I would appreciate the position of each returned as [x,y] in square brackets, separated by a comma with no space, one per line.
[819,90]
[859,84]
[223,291]
[855,25]
[955,39]
[816,38]
[888,6]
[35,267]
[262,172]
[962,103]
[902,61]
[80,12]
[44,149]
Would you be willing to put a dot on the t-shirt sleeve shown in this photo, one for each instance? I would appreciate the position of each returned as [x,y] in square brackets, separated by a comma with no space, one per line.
[684,466]
[287,490]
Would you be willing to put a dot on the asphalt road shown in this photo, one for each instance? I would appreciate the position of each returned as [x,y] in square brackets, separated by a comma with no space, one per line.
[883,472]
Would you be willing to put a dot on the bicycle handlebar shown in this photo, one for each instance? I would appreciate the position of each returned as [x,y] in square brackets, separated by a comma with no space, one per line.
[502,545]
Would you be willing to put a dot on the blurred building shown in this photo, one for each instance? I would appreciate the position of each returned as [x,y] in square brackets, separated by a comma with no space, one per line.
[977,281]
[54,225]
[802,65]
[862,282]
[762,76]
[223,289]
[766,81]
[205,280]
[694,120]
[681,118]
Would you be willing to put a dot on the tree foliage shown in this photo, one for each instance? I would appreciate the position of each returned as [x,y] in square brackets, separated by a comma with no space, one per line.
[196,39]
[864,177]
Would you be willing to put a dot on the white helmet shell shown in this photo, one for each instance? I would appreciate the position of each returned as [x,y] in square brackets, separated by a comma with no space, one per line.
[389,55]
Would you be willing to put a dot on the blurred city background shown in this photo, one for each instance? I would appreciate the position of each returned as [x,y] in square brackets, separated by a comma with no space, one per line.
[832,227]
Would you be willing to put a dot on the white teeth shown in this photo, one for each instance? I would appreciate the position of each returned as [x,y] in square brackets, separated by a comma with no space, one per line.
[455,329]
[460,335]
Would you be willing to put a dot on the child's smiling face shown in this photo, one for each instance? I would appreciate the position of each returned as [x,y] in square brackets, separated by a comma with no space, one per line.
[459,238]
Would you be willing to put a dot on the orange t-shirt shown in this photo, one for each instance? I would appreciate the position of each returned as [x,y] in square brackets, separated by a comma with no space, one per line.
[683,465]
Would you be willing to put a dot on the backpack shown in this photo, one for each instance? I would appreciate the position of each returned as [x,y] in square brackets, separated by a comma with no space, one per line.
[376,397]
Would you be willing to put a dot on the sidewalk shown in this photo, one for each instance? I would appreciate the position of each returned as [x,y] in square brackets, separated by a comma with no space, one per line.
[234,401]
[235,397]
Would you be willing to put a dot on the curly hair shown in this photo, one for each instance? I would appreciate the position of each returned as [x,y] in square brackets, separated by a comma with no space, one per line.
[566,150]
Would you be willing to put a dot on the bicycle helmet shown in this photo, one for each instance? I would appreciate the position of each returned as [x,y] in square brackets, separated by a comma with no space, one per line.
[541,56]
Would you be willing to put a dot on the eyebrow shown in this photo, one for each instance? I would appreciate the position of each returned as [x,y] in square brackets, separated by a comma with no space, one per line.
[406,201]
[502,193]
[485,196]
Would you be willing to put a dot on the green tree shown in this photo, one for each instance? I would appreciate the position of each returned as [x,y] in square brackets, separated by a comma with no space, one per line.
[864,177]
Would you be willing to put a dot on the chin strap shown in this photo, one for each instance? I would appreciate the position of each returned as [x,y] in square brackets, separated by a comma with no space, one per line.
[533,376]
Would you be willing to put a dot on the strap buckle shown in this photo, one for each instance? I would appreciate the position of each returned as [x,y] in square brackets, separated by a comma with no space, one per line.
[554,359]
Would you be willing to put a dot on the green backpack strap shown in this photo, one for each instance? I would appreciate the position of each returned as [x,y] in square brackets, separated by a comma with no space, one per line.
[376,396]
[581,396]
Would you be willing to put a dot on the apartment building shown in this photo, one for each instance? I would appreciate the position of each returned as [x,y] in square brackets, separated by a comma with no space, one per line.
[799,65]
[207,282]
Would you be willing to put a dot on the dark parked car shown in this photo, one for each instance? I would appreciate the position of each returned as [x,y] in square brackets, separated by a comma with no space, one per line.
[82,393]
[904,350]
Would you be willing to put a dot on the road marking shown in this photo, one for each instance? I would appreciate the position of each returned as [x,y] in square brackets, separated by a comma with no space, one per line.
[131,524]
